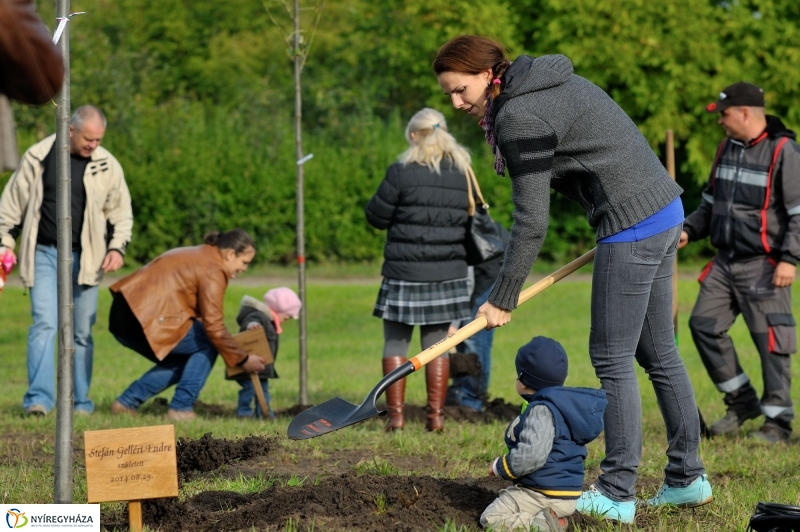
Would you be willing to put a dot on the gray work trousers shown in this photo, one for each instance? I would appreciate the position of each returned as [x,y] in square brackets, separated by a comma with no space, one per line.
[727,289]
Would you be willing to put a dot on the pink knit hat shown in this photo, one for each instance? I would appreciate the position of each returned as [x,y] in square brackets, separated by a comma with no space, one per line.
[283,301]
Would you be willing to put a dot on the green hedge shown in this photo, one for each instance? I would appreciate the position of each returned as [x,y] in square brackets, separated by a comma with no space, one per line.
[192,168]
[199,97]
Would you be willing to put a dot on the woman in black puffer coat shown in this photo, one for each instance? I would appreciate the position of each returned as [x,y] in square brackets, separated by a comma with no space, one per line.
[422,203]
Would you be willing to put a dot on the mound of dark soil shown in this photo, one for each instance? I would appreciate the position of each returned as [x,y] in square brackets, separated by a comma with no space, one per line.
[208,454]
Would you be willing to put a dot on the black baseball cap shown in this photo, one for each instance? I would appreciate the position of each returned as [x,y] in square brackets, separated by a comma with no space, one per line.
[741,93]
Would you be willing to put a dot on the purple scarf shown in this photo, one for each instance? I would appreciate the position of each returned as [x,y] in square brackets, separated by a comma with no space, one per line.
[487,123]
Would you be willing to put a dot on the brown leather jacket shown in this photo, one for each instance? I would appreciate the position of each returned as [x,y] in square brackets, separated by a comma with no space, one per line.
[179,285]
[31,66]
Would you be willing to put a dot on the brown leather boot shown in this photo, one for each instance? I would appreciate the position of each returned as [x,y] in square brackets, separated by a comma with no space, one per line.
[395,395]
[437,373]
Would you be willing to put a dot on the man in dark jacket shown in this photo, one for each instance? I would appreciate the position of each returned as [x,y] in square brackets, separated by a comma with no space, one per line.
[749,210]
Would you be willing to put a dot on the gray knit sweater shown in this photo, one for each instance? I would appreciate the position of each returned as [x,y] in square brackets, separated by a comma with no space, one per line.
[558,130]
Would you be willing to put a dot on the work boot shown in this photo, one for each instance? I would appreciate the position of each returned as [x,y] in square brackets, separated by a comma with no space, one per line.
[437,373]
[770,433]
[733,420]
[395,395]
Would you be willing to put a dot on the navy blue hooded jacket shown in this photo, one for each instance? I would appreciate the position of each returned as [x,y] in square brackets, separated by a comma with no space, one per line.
[577,417]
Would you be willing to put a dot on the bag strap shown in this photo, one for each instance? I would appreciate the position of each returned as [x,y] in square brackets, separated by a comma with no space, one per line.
[472,181]
[773,508]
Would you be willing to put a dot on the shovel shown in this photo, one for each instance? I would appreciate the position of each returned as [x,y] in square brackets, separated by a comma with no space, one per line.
[338,413]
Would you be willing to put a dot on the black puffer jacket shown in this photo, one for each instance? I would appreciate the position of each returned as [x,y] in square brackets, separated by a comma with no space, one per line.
[426,216]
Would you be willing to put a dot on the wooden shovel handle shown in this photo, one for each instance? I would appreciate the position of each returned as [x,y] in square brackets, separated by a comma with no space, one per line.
[478,324]
[262,401]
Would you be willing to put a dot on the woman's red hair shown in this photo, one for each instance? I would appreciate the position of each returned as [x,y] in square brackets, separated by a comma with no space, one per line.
[471,54]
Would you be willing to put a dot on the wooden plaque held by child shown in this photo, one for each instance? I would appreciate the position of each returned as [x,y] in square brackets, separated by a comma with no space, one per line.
[254,342]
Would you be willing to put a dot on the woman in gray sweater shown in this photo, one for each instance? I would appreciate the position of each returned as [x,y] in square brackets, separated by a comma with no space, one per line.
[553,129]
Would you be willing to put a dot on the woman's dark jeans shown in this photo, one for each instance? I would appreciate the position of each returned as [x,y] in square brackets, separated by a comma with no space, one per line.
[632,319]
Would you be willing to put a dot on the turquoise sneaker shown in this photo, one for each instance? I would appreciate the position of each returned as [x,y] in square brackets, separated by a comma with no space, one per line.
[697,493]
[596,504]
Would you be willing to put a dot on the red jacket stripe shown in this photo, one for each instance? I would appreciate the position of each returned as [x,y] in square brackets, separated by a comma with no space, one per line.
[705,271]
[767,194]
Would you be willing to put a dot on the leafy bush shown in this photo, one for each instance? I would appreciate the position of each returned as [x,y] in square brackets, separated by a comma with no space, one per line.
[199,98]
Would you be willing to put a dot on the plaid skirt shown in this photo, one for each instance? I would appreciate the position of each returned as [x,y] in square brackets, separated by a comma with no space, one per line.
[423,303]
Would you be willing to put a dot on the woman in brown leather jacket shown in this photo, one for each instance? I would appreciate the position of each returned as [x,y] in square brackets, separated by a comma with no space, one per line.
[170,311]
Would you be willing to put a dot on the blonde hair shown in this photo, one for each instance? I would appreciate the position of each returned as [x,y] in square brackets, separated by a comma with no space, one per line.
[432,143]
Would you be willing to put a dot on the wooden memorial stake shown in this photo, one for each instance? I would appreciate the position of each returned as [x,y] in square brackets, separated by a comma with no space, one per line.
[135,516]
[254,341]
[131,465]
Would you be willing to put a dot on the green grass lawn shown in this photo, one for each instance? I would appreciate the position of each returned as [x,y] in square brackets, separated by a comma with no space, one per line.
[344,350]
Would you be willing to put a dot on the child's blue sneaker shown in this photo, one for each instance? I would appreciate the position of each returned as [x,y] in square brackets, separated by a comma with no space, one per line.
[697,493]
[596,504]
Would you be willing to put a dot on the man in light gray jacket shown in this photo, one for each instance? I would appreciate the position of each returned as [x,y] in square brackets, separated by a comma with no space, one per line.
[102,221]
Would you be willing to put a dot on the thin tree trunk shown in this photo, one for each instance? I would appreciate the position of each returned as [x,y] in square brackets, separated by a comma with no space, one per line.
[66,338]
[301,243]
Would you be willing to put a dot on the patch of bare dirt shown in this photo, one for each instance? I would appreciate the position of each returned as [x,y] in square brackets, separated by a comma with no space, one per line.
[346,502]
[341,502]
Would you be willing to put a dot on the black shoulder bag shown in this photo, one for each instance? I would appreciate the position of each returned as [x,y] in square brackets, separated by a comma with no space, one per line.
[486,238]
[774,517]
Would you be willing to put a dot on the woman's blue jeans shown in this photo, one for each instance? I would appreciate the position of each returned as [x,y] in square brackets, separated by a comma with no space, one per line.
[469,390]
[188,365]
[632,320]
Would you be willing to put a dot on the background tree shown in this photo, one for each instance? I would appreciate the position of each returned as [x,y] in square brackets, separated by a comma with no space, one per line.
[198,97]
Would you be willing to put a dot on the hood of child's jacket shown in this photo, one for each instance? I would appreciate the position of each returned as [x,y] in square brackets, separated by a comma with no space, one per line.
[251,302]
[528,74]
[581,408]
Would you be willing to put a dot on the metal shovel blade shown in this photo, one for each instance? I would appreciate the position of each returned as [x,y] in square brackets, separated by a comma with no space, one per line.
[338,413]
[327,417]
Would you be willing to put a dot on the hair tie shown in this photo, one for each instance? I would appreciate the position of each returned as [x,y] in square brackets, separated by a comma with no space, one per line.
[496,81]
[436,125]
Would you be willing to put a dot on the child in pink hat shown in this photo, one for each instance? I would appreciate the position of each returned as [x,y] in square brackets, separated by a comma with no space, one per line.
[279,305]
